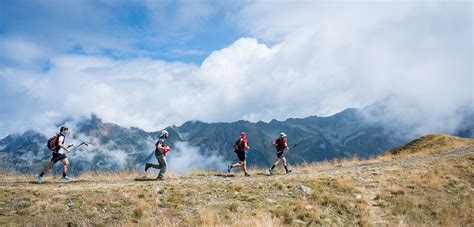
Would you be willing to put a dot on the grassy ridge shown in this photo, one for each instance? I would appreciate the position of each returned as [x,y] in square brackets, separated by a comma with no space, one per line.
[434,143]
[428,190]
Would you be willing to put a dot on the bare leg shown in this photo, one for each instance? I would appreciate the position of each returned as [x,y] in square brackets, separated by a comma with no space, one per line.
[244,166]
[236,165]
[274,164]
[48,167]
[276,161]
[65,166]
[284,165]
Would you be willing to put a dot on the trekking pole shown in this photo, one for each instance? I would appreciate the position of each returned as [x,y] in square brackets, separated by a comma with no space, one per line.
[83,143]
[68,146]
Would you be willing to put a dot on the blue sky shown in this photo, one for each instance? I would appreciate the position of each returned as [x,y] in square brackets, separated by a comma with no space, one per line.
[152,64]
[184,31]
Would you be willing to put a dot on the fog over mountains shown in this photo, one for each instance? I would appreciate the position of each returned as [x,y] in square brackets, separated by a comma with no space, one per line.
[200,145]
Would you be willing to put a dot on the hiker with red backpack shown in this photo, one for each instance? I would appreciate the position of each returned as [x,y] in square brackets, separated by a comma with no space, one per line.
[240,148]
[160,153]
[57,147]
[281,145]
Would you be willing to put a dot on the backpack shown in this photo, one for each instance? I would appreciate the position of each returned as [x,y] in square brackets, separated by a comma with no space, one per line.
[53,142]
[238,145]
[279,143]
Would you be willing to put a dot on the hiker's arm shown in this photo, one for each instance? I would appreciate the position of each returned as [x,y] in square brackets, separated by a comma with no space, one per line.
[64,147]
[286,146]
[160,147]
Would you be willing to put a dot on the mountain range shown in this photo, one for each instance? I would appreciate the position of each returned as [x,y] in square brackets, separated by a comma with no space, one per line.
[197,144]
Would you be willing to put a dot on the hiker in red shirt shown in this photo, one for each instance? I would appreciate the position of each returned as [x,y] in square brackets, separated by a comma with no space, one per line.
[240,148]
[281,145]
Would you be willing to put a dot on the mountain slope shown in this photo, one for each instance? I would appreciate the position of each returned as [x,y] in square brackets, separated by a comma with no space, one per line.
[432,144]
[437,190]
[112,147]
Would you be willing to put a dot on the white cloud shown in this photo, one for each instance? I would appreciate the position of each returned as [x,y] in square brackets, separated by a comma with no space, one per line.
[185,158]
[353,53]
[323,57]
[21,51]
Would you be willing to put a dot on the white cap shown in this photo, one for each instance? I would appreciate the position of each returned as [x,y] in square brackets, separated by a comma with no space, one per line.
[282,134]
[163,132]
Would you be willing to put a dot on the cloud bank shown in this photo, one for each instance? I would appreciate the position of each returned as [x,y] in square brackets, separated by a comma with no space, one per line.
[297,59]
[187,158]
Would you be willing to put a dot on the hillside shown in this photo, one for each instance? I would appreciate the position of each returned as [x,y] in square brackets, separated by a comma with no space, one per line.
[432,144]
[437,190]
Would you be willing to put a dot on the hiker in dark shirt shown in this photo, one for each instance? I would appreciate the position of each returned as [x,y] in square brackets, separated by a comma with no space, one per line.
[160,153]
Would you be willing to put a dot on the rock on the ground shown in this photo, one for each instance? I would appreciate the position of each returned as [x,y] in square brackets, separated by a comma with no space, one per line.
[306,190]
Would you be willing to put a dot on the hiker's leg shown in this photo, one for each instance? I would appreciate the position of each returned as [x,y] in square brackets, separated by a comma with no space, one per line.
[162,164]
[156,166]
[65,166]
[285,164]
[275,163]
[244,166]
[47,168]
[241,157]
[236,165]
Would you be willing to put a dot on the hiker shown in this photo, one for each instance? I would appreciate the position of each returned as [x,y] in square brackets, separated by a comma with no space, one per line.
[160,153]
[58,148]
[281,145]
[240,148]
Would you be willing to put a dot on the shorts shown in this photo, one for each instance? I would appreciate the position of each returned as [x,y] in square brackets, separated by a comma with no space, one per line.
[57,157]
[242,155]
[280,154]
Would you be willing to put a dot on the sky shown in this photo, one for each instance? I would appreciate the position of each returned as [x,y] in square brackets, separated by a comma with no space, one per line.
[152,64]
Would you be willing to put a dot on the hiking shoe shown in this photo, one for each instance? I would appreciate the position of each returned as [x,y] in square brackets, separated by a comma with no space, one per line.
[160,178]
[289,171]
[270,171]
[228,168]
[247,175]
[66,178]
[38,178]
[147,166]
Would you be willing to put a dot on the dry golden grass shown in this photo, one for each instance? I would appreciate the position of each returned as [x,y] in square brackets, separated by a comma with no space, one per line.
[96,199]
[397,190]
[345,192]
[345,183]
[438,193]
[430,144]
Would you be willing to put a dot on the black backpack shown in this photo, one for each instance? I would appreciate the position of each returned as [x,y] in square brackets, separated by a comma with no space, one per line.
[278,142]
[238,144]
